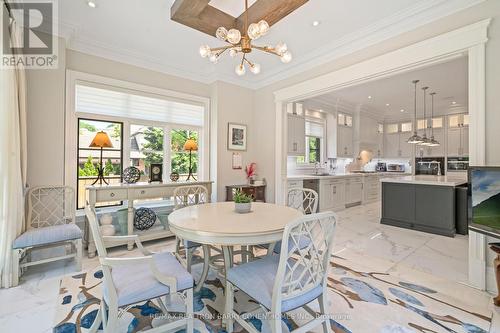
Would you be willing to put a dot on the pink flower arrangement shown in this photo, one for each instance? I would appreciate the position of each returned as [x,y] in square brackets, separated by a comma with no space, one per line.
[251,169]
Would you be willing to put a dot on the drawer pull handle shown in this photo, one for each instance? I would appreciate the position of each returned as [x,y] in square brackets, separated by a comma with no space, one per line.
[143,191]
[112,194]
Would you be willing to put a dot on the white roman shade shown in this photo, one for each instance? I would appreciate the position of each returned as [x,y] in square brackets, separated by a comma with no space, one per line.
[314,129]
[136,105]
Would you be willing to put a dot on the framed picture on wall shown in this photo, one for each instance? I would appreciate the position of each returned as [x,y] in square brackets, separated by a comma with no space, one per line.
[236,136]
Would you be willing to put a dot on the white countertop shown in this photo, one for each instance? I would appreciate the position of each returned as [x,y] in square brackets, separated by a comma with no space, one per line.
[347,175]
[453,180]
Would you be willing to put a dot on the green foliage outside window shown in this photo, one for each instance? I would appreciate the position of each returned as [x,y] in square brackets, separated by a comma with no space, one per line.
[180,157]
[153,147]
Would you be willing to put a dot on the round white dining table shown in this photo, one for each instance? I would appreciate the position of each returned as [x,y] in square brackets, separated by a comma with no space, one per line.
[219,224]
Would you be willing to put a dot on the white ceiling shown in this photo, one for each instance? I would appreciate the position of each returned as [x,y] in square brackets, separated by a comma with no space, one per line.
[449,80]
[141,33]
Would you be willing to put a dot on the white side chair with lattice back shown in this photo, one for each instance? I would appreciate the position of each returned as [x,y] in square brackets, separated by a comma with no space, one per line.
[303,199]
[131,280]
[50,223]
[187,196]
[291,280]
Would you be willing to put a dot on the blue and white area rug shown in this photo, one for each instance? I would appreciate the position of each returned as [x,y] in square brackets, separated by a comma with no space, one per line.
[361,301]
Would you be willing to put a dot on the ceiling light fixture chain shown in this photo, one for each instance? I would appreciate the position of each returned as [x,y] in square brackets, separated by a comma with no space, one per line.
[242,43]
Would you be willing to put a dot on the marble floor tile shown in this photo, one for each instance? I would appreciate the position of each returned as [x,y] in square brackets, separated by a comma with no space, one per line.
[360,239]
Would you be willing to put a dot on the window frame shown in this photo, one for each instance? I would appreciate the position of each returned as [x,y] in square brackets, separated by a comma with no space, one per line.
[78,156]
[206,161]
[307,164]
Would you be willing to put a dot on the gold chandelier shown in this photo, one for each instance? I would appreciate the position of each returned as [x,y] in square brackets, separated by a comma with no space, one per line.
[242,43]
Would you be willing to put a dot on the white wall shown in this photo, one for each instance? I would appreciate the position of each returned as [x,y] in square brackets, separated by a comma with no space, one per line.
[233,104]
[46,109]
[45,123]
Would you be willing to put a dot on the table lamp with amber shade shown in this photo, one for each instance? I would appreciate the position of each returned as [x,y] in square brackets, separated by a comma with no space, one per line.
[101,140]
[190,145]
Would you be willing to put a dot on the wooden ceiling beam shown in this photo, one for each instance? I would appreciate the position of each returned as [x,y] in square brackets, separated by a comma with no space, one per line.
[199,15]
[270,11]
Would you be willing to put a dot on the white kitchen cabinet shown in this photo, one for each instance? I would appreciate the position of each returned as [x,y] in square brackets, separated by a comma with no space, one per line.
[332,194]
[395,145]
[371,135]
[405,148]
[391,144]
[437,151]
[296,135]
[353,191]
[458,141]
[371,188]
[345,146]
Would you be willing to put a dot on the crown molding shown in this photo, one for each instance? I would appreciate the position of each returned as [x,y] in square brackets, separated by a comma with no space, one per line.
[420,14]
[423,12]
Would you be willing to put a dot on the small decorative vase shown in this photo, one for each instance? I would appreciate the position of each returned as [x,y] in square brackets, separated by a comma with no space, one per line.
[107,230]
[243,208]
[106,219]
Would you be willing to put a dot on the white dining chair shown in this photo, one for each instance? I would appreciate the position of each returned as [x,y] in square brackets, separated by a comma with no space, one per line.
[304,200]
[128,281]
[291,280]
[187,196]
[50,223]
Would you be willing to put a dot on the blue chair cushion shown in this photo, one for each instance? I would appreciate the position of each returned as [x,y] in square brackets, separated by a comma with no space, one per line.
[48,235]
[303,243]
[135,282]
[256,279]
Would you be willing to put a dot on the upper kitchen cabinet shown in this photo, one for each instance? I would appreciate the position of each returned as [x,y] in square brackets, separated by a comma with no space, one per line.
[395,138]
[433,127]
[458,120]
[296,126]
[345,146]
[371,134]
[458,135]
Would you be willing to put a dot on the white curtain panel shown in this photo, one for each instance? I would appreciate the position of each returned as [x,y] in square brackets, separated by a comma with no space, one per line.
[12,160]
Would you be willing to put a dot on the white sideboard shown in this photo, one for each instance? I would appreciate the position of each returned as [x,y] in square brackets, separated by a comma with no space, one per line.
[128,193]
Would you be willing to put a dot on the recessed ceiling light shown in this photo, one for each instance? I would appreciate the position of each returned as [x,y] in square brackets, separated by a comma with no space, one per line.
[316,23]
[369,97]
[402,110]
[91,4]
[453,102]
[387,104]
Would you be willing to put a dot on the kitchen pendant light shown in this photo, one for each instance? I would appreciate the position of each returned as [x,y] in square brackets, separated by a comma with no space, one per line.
[425,140]
[415,138]
[433,142]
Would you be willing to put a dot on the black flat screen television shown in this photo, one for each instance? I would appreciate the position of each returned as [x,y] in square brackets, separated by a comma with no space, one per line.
[484,200]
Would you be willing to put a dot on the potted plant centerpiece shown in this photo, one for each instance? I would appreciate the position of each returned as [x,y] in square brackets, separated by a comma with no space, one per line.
[242,202]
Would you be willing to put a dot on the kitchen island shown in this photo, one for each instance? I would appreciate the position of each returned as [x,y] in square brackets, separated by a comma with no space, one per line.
[424,203]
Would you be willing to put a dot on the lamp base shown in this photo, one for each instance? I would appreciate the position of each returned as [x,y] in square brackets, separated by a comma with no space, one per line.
[190,175]
[100,178]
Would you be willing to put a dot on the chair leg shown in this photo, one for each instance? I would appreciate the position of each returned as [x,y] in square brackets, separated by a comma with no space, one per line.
[112,323]
[206,267]
[189,311]
[229,322]
[189,259]
[78,255]
[16,256]
[323,308]
[97,320]
[275,322]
